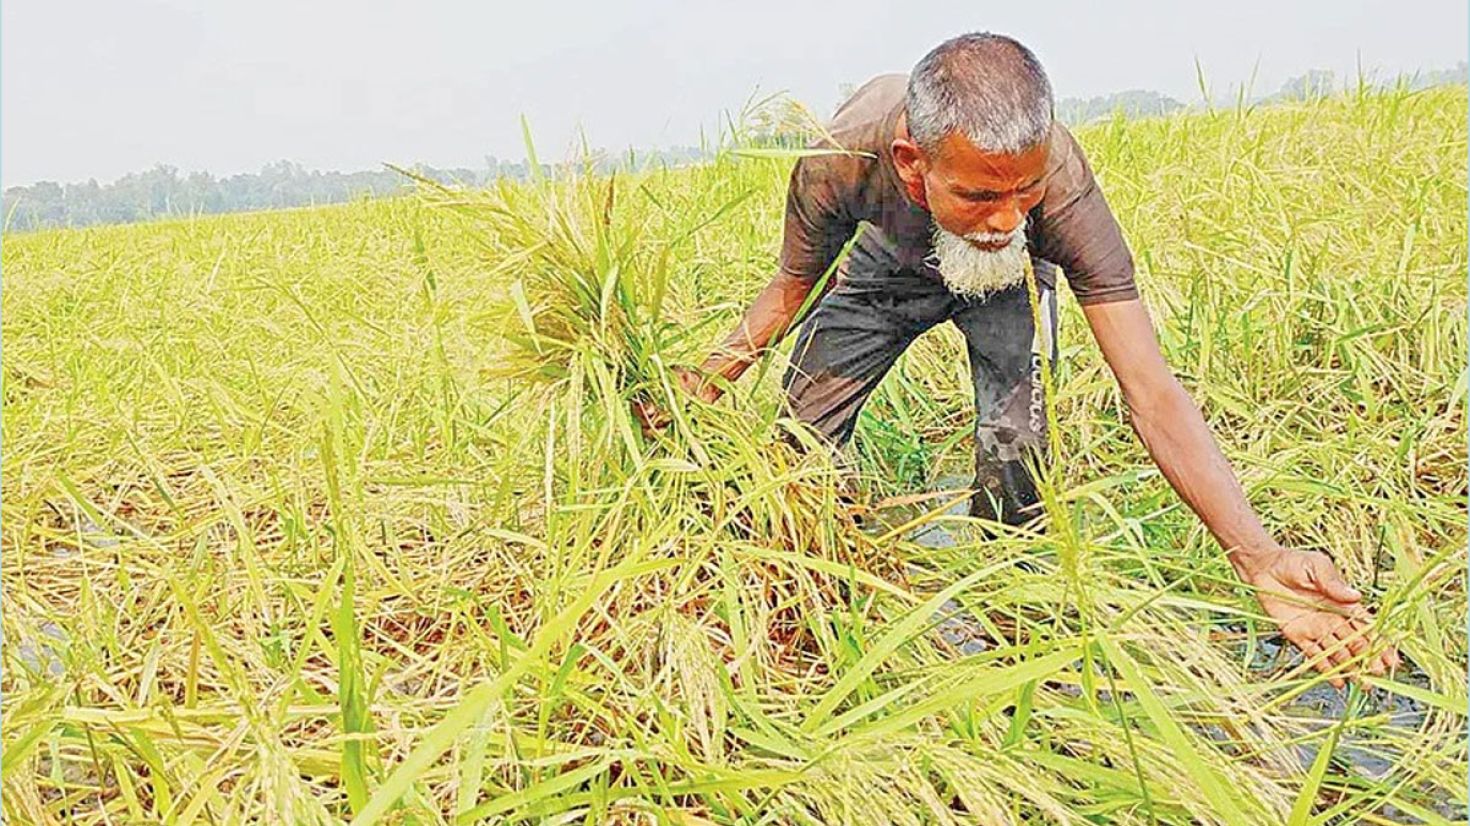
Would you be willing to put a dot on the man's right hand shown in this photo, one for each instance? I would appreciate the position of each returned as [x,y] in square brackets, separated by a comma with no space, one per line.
[654,418]
[764,323]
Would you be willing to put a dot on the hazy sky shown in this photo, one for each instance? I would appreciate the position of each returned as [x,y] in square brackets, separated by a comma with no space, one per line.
[99,88]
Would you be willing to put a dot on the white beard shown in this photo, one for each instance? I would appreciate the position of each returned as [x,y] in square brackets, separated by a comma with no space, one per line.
[974,273]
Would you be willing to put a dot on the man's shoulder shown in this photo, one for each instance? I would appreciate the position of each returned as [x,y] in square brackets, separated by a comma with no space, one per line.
[860,132]
[859,120]
[874,98]
[1068,174]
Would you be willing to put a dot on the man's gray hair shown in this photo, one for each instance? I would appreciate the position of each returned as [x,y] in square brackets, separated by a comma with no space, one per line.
[988,87]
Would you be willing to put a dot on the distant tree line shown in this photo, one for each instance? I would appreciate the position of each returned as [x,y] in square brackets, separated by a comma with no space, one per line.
[165,191]
[1134,103]
[1315,83]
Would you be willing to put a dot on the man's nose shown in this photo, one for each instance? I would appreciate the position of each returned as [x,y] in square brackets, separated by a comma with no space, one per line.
[1005,219]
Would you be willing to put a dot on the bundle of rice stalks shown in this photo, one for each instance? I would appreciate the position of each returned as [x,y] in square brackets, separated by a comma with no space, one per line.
[586,281]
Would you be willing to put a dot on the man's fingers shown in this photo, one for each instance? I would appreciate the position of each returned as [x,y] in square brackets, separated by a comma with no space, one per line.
[1377,665]
[1338,652]
[1354,636]
[1320,660]
[1388,660]
[1333,646]
[1351,640]
[651,416]
[1382,662]
[648,422]
[1313,652]
[1357,634]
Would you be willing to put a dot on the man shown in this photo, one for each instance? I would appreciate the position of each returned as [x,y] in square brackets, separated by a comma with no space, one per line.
[954,176]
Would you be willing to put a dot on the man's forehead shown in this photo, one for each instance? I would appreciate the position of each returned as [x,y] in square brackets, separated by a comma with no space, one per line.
[960,162]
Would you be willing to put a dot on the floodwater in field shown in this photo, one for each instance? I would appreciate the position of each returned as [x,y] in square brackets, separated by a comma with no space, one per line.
[1322,705]
[43,654]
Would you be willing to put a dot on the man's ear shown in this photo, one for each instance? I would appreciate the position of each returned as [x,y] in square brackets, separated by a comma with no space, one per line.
[911,163]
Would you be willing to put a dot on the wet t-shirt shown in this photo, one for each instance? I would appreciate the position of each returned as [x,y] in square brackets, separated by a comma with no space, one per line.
[831,195]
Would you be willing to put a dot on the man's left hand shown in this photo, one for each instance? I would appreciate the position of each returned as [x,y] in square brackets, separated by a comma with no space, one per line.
[653,418]
[1317,610]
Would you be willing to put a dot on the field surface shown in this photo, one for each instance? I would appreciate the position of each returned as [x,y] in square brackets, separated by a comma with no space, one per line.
[340,513]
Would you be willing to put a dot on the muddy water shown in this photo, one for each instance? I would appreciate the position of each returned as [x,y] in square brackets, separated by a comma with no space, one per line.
[954,626]
[44,653]
[1319,707]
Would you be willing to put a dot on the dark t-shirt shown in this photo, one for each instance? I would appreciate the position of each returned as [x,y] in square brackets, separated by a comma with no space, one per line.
[830,195]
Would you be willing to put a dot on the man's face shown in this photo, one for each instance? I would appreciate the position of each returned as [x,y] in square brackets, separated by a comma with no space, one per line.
[978,201]
[969,192]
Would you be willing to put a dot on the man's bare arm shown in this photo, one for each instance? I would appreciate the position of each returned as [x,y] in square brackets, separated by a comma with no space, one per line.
[768,319]
[1301,590]
[1175,433]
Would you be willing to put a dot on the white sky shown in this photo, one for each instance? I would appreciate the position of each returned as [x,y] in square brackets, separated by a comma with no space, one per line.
[100,88]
